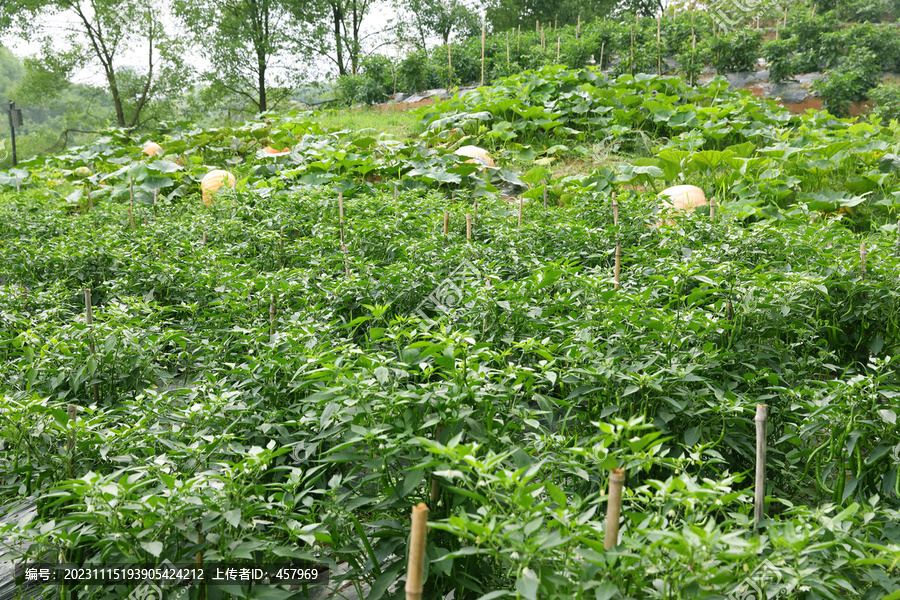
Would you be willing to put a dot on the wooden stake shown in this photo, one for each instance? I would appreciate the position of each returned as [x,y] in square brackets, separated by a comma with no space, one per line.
[618,270]
[204,238]
[468,228]
[131,203]
[862,257]
[449,75]
[518,35]
[712,208]
[416,563]
[475,215]
[537,26]
[759,501]
[272,313]
[341,207]
[615,207]
[558,46]
[281,249]
[784,26]
[543,44]
[446,225]
[545,197]
[602,45]
[146,222]
[507,46]
[614,508]
[556,23]
[631,64]
[693,49]
[89,319]
[521,202]
[658,47]
[483,30]
[155,197]
[90,202]
[396,192]
[578,27]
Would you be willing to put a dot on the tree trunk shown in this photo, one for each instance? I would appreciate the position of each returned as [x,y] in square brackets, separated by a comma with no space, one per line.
[338,13]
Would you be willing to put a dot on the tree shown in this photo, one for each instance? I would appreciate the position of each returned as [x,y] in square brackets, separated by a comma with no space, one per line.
[256,47]
[508,14]
[99,32]
[347,18]
[441,17]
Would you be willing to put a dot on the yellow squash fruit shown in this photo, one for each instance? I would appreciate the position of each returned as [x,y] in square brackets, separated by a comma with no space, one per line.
[214,180]
[476,154]
[151,148]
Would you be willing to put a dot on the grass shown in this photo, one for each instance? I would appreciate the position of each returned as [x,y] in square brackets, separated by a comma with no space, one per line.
[400,124]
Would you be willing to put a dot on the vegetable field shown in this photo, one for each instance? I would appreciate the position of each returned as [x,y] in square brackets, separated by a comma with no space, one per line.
[284,373]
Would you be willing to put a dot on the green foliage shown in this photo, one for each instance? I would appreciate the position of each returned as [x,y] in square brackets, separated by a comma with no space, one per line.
[735,51]
[779,55]
[887,101]
[850,81]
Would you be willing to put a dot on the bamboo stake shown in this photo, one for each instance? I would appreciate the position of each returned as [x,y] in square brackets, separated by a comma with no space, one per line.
[631,64]
[558,47]
[537,26]
[131,203]
[155,198]
[146,222]
[468,228]
[615,207]
[556,23]
[90,202]
[72,412]
[578,27]
[396,192]
[204,238]
[89,319]
[416,563]
[862,257]
[343,244]
[545,197]
[521,202]
[658,46]
[446,225]
[475,215]
[18,188]
[784,26]
[449,74]
[483,29]
[281,248]
[776,30]
[272,313]
[614,508]
[759,501]
[507,46]
[712,208]
[435,486]
[618,270]
[693,49]
[602,45]
[518,35]
[543,43]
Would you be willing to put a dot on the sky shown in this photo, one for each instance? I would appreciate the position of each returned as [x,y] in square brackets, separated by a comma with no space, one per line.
[380,15]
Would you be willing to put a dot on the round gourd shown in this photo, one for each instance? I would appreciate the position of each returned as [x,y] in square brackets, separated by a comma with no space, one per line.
[272,150]
[475,153]
[151,148]
[685,197]
[214,180]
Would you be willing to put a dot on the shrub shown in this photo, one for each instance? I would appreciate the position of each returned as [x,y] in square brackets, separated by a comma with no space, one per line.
[849,82]
[737,51]
[887,101]
[780,55]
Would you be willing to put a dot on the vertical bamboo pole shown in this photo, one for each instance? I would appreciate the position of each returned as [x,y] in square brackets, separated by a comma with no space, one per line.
[272,313]
[90,202]
[759,500]
[281,248]
[449,71]
[521,202]
[543,42]
[614,508]
[89,319]
[343,243]
[693,49]
[155,198]
[483,30]
[862,257]
[712,208]
[602,46]
[18,187]
[631,62]
[618,267]
[558,47]
[468,228]
[72,412]
[556,23]
[475,215]
[204,238]
[658,46]
[545,197]
[578,27]
[537,26]
[784,25]
[446,225]
[518,35]
[131,203]
[416,563]
[776,30]
[507,47]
